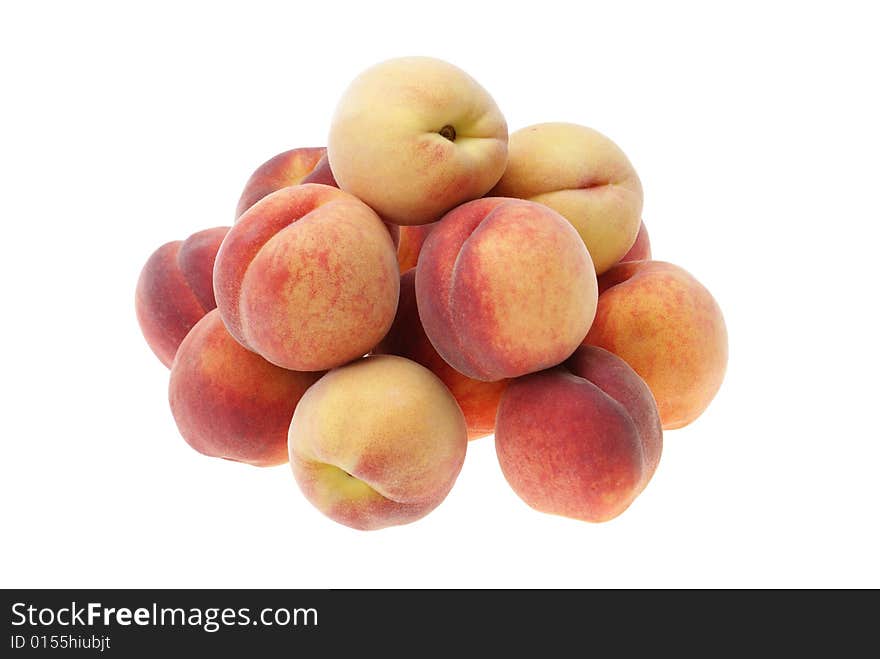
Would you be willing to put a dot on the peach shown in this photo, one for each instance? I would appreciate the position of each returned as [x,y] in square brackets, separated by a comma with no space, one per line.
[406,338]
[287,168]
[308,278]
[504,287]
[581,444]
[410,245]
[617,379]
[378,442]
[229,402]
[414,137]
[669,328]
[641,249]
[174,290]
[584,176]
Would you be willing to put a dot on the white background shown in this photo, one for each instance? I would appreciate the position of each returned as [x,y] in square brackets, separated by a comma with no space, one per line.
[753,128]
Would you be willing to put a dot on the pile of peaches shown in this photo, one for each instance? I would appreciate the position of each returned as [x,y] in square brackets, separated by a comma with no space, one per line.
[425,280]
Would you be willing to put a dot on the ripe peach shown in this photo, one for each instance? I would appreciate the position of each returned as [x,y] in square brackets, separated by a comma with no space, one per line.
[377,442]
[504,287]
[582,444]
[414,137]
[669,328]
[584,176]
[287,168]
[174,290]
[406,338]
[229,402]
[308,278]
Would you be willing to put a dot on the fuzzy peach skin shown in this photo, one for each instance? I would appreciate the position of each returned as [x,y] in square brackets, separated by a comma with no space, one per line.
[414,137]
[641,249]
[174,290]
[580,445]
[504,287]
[410,245]
[378,442]
[406,338]
[308,278]
[617,379]
[287,168]
[670,329]
[229,402]
[583,175]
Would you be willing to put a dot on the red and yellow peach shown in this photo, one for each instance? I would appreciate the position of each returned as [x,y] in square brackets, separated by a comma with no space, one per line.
[229,402]
[504,287]
[308,278]
[175,290]
[669,328]
[414,137]
[378,442]
[580,441]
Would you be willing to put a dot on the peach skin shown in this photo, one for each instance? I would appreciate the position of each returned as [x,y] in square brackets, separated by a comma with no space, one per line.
[669,328]
[406,338]
[504,287]
[321,173]
[584,176]
[174,290]
[410,245]
[229,402]
[580,444]
[414,137]
[308,278]
[641,249]
[376,443]
[617,379]
[287,168]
